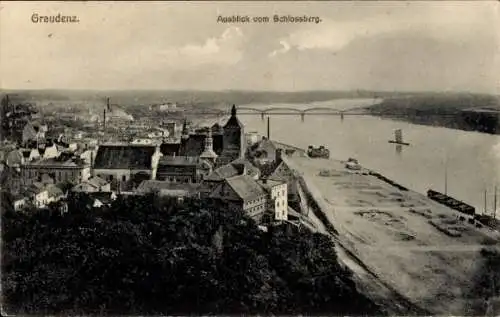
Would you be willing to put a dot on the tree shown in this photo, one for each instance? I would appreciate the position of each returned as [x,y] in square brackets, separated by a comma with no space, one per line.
[154,255]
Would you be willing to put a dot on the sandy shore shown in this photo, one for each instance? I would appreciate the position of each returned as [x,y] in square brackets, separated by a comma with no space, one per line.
[406,241]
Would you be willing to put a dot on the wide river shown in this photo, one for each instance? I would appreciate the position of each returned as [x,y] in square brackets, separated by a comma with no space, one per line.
[472,158]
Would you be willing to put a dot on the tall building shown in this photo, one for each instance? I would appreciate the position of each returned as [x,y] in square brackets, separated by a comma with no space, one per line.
[233,139]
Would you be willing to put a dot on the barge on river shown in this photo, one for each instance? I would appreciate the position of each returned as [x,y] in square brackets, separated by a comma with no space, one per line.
[320,152]
[451,202]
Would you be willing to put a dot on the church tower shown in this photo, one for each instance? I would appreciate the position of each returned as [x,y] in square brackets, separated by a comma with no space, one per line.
[185,130]
[233,142]
[209,154]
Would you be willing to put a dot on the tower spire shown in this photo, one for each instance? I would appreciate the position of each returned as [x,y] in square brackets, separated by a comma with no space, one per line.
[209,141]
[209,153]
[185,130]
[233,111]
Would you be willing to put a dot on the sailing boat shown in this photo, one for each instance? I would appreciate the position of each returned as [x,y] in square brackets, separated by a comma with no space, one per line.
[398,138]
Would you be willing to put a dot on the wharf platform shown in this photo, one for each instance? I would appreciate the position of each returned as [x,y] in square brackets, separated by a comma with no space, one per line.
[409,253]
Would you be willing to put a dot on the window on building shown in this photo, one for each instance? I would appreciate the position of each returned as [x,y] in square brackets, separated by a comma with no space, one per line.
[124,178]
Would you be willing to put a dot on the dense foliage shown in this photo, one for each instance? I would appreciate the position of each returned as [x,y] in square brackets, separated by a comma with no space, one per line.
[149,255]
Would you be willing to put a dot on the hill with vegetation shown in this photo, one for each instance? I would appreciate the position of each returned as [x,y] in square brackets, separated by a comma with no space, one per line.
[146,255]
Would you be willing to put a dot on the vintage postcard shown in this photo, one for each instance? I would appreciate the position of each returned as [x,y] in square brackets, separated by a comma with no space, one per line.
[330,158]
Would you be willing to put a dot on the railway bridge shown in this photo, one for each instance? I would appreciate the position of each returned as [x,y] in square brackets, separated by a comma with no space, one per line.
[302,112]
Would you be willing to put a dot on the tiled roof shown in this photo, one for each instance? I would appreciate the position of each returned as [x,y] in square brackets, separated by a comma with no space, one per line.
[233,169]
[179,160]
[246,187]
[57,162]
[124,157]
[252,170]
[222,173]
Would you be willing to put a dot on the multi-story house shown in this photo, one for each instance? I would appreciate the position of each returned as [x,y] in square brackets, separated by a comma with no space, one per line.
[277,197]
[183,169]
[60,169]
[235,168]
[126,162]
[243,193]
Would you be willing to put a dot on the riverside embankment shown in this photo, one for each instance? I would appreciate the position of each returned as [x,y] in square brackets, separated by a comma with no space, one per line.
[395,240]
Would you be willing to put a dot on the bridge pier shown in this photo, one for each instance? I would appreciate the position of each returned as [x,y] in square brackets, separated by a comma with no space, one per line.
[262,116]
[342,116]
[302,115]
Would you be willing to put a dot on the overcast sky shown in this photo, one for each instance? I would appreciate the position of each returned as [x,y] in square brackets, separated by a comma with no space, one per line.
[427,46]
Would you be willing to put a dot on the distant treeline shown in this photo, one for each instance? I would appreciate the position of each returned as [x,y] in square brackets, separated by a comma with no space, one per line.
[201,98]
[468,112]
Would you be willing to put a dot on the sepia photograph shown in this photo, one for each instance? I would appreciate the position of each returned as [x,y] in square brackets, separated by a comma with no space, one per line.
[250,158]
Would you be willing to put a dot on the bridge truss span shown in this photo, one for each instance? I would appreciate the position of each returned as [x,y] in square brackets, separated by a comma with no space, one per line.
[323,110]
[277,110]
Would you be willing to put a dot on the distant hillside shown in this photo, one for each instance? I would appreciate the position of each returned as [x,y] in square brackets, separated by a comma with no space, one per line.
[468,112]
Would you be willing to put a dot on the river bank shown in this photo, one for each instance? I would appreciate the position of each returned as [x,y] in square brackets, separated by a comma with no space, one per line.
[468,112]
[394,240]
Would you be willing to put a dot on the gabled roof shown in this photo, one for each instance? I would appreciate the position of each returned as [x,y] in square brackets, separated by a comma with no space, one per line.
[276,173]
[244,187]
[179,160]
[124,156]
[252,170]
[222,173]
[233,169]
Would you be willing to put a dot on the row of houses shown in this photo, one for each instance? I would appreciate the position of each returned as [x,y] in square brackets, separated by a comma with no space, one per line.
[195,167]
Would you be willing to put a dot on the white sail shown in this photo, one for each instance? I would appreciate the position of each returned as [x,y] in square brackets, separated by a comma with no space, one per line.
[398,136]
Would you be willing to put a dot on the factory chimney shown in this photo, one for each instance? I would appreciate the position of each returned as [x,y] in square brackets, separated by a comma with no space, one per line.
[268,128]
[104,121]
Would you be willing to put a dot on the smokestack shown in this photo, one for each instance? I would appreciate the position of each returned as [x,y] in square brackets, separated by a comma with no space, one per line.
[268,128]
[107,104]
[91,164]
[104,120]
